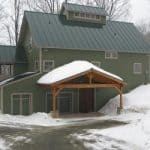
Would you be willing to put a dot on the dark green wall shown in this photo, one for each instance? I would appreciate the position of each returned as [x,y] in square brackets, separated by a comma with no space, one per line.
[26,85]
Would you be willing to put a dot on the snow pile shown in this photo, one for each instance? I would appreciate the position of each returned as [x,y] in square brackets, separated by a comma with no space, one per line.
[137,133]
[138,100]
[72,69]
[38,119]
[4,145]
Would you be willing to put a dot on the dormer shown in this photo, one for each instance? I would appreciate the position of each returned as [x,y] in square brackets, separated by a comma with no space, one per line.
[83,13]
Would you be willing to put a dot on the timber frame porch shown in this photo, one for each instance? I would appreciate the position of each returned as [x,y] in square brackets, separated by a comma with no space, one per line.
[94,79]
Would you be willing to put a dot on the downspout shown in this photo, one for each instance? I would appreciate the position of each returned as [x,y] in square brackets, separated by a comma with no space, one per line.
[40,60]
[1,99]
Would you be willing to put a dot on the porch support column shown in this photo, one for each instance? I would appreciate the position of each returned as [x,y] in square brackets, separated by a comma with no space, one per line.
[121,100]
[55,92]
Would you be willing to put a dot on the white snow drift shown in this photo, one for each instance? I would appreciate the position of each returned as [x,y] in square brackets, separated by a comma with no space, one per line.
[136,100]
[132,136]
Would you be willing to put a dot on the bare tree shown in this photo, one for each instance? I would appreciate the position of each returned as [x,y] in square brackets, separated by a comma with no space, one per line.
[48,6]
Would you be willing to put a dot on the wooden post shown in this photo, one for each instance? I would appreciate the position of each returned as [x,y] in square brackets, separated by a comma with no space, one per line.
[54,95]
[121,100]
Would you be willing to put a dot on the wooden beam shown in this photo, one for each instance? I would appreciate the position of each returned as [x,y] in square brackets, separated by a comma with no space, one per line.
[84,85]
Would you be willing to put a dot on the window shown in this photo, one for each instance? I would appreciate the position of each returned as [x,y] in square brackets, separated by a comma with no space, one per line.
[36,65]
[77,14]
[87,16]
[21,103]
[5,69]
[98,17]
[48,65]
[96,63]
[111,55]
[137,68]
[82,14]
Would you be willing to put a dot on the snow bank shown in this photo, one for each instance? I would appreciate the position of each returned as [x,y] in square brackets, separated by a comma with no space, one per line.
[138,100]
[38,119]
[4,145]
[137,133]
[71,69]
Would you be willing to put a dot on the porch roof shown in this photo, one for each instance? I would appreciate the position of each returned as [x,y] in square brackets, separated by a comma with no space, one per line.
[69,75]
[77,69]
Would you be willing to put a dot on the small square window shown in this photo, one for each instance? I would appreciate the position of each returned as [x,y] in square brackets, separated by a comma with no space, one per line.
[111,55]
[137,68]
[82,14]
[48,65]
[96,63]
[76,14]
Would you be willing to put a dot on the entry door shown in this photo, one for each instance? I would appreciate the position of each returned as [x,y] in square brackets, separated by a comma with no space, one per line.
[86,100]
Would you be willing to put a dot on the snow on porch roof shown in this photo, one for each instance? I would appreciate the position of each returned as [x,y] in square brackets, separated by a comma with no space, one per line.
[72,69]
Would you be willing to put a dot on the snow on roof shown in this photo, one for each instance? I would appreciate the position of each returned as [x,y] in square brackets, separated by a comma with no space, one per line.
[16,77]
[71,69]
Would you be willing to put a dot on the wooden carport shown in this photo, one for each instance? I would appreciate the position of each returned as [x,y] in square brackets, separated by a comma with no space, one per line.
[93,78]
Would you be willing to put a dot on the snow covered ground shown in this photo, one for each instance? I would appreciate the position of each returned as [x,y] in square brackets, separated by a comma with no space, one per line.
[133,136]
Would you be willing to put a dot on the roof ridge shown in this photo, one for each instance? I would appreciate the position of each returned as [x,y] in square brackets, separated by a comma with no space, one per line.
[29,11]
[85,5]
[117,21]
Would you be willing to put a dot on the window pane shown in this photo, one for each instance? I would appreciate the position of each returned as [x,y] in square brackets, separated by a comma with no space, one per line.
[48,65]
[137,68]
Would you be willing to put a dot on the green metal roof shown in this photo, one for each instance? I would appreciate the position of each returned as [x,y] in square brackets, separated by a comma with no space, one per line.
[7,54]
[54,31]
[84,9]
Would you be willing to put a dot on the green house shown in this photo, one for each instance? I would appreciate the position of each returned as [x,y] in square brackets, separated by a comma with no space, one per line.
[79,32]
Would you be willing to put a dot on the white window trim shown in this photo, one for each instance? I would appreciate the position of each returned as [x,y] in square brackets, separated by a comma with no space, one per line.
[36,68]
[30,102]
[111,55]
[96,62]
[44,70]
[134,70]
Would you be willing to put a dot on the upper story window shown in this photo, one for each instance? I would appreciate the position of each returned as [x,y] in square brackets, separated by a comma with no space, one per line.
[96,63]
[76,14]
[137,68]
[48,65]
[5,70]
[111,55]
[87,16]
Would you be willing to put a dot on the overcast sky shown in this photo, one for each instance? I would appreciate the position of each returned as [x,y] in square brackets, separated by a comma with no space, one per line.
[140,11]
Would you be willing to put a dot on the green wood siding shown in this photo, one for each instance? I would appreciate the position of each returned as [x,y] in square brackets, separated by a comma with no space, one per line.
[123,66]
